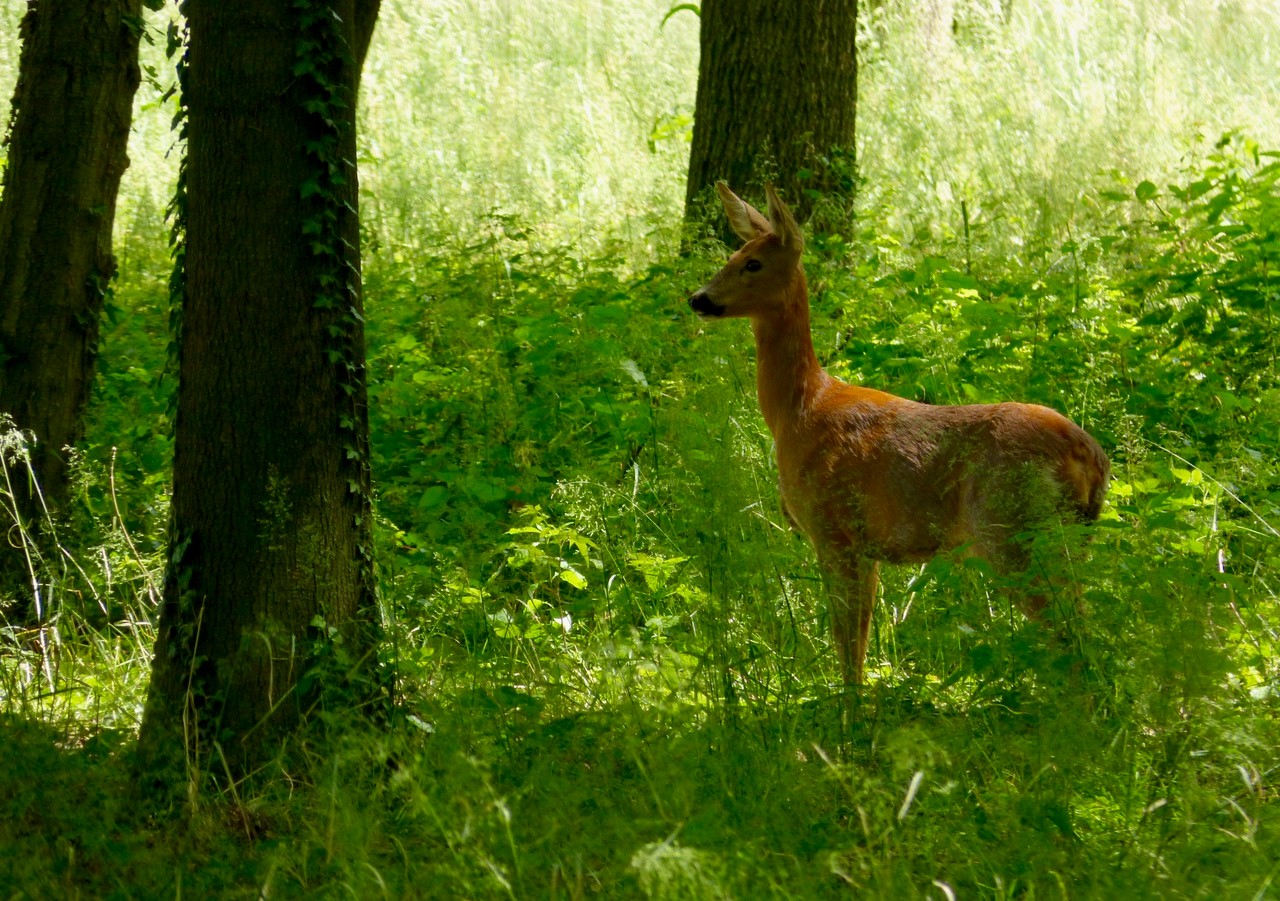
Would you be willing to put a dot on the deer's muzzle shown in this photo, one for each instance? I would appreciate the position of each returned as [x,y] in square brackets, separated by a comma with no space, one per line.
[704,305]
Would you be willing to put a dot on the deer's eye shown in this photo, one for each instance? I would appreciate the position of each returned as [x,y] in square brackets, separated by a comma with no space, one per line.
[753,266]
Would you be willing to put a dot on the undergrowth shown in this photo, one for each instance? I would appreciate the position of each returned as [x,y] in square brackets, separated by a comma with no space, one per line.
[613,663]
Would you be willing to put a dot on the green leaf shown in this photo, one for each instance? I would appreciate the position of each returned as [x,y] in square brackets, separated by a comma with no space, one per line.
[681,7]
[572,576]
[487,491]
[949,278]
[433,497]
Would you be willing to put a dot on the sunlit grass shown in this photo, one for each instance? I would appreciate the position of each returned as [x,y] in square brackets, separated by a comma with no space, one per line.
[1022,119]
[538,114]
[564,120]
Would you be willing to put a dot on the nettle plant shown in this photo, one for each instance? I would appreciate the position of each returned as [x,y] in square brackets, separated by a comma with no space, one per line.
[548,564]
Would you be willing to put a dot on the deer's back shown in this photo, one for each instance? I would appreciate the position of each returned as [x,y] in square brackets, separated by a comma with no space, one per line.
[906,479]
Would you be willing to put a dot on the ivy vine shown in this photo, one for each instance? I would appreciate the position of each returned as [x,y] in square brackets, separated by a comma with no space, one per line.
[177,48]
[324,67]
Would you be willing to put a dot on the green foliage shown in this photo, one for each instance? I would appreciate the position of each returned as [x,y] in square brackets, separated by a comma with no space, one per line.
[615,671]
[537,370]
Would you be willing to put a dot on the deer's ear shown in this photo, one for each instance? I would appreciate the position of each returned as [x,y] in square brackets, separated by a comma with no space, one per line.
[782,223]
[744,219]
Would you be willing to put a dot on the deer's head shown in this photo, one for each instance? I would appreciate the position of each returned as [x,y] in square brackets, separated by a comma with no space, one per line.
[763,275]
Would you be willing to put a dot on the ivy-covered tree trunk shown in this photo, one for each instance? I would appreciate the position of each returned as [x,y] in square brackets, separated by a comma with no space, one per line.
[67,140]
[777,96]
[269,595]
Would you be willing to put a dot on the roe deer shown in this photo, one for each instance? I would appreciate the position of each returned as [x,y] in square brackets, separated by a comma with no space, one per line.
[867,476]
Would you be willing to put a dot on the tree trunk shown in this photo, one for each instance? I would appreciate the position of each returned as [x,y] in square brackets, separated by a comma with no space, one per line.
[271,571]
[67,140]
[777,94]
[937,26]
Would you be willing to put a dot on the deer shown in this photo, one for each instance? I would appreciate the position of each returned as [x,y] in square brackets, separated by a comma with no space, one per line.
[869,477]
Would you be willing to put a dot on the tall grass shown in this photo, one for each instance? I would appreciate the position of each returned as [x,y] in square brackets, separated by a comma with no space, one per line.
[1020,117]
[570,120]
[539,115]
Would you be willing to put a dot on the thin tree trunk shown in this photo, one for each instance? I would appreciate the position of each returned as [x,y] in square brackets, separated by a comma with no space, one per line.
[937,26]
[67,140]
[271,549]
[777,97]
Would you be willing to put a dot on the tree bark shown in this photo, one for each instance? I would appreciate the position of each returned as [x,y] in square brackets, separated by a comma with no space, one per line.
[67,152]
[271,570]
[777,97]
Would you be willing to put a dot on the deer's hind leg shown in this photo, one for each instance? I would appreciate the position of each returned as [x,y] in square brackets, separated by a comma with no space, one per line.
[1022,537]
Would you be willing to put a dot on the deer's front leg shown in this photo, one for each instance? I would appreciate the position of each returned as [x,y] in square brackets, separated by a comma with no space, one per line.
[851,593]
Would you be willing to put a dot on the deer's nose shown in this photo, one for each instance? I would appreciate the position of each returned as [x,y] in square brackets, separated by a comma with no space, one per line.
[704,305]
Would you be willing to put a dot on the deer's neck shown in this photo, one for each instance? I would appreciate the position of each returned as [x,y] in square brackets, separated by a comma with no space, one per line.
[788,375]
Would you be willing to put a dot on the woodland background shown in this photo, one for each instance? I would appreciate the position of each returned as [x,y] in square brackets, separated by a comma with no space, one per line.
[613,668]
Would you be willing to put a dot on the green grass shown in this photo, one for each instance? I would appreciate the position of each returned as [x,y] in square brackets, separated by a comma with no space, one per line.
[615,671]
[1021,119]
